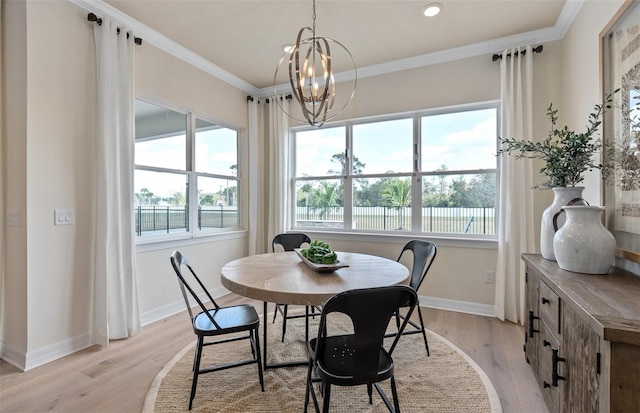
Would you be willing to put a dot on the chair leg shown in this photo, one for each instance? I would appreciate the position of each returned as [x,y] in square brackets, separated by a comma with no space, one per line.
[394,393]
[256,339]
[325,399]
[370,392]
[284,321]
[307,387]
[424,331]
[196,369]
[275,313]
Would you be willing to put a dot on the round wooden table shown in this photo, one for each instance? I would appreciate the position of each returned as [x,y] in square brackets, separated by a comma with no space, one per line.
[283,278]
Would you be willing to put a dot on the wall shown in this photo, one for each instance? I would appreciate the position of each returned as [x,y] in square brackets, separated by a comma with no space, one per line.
[165,79]
[14,132]
[49,79]
[582,89]
[48,72]
[453,283]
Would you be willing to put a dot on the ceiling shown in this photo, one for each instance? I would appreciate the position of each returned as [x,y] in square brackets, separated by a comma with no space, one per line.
[242,39]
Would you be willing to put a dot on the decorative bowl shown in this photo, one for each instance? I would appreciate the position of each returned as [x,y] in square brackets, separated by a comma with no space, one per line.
[320,267]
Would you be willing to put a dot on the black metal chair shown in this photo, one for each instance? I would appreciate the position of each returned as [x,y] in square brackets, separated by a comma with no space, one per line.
[289,242]
[358,357]
[215,322]
[424,253]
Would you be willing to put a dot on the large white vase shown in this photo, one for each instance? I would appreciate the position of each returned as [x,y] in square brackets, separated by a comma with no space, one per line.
[562,196]
[583,244]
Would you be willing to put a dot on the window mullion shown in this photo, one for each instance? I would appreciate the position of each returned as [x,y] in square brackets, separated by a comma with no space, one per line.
[347,181]
[416,181]
[192,179]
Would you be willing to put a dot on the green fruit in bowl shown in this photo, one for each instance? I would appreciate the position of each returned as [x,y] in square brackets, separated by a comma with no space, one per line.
[319,253]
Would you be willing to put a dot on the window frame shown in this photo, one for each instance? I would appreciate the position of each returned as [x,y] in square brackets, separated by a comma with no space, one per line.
[192,231]
[416,175]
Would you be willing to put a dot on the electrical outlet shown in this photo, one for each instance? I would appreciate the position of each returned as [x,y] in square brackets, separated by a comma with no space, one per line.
[489,277]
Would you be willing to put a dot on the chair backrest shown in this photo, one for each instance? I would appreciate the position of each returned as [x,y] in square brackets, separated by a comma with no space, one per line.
[370,310]
[424,253]
[290,241]
[190,285]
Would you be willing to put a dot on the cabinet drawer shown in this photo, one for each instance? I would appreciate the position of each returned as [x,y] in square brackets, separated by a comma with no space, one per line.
[550,307]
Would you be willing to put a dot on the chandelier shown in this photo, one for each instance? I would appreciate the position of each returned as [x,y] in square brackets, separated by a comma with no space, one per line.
[311,77]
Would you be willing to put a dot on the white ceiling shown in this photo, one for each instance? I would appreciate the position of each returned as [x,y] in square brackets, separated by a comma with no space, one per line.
[241,40]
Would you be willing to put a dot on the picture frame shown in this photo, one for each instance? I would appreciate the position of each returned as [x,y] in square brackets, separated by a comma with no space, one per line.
[620,51]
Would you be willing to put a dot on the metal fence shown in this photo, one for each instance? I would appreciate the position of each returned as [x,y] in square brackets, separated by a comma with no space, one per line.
[457,220]
[166,219]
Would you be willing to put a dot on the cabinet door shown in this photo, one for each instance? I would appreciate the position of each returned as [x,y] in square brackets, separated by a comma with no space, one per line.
[532,322]
[580,348]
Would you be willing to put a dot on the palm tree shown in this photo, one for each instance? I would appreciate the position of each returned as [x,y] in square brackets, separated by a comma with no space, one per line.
[326,197]
[397,194]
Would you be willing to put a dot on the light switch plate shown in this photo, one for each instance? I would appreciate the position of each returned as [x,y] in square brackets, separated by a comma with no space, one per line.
[63,217]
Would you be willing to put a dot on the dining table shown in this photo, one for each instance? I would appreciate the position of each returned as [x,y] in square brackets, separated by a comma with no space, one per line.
[285,278]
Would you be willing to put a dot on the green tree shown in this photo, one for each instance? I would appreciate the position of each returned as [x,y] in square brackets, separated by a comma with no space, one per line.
[325,198]
[303,194]
[396,193]
[207,199]
[340,159]
[435,191]
[146,195]
[177,198]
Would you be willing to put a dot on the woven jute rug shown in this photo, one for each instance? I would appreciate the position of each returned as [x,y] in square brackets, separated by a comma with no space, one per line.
[446,381]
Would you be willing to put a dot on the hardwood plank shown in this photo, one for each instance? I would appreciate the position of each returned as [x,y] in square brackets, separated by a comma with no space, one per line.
[116,379]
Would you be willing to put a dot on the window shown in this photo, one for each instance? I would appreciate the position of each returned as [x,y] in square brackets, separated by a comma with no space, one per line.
[431,172]
[185,177]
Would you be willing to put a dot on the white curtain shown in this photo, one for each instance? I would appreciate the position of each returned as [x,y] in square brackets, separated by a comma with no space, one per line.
[116,314]
[516,230]
[269,164]
[257,237]
[279,166]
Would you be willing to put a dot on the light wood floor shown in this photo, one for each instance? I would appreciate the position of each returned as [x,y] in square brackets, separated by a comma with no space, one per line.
[117,379]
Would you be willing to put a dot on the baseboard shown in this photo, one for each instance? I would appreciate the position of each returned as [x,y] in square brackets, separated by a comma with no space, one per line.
[12,356]
[458,306]
[46,354]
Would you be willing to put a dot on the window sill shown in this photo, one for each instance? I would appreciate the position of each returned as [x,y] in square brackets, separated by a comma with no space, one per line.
[185,239]
[401,239]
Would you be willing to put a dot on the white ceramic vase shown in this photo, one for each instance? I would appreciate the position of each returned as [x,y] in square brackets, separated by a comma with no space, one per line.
[562,196]
[583,244]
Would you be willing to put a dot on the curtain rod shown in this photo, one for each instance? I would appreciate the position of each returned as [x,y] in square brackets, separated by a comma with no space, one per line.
[251,98]
[537,49]
[93,18]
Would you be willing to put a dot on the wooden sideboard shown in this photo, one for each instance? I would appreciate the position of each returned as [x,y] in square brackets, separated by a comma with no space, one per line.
[582,337]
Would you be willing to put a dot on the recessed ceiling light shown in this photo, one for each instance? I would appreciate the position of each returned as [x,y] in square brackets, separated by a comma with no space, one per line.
[432,9]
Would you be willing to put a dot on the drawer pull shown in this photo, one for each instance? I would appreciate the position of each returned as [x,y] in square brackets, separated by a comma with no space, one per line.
[554,375]
[546,343]
[545,384]
[531,329]
[545,301]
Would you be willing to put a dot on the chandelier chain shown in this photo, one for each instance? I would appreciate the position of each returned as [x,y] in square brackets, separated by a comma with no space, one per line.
[314,19]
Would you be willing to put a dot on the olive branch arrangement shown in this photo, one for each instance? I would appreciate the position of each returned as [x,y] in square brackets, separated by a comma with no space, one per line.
[567,154]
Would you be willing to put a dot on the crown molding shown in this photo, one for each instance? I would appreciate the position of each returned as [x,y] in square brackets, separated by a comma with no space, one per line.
[557,32]
[164,43]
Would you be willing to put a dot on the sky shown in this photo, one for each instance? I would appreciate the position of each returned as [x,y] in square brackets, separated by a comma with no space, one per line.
[461,141]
